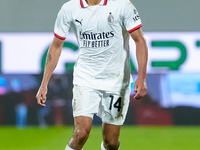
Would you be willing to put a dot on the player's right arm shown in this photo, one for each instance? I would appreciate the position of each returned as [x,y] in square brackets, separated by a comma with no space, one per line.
[51,62]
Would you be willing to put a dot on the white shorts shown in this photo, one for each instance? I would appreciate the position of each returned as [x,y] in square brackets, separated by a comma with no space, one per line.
[111,107]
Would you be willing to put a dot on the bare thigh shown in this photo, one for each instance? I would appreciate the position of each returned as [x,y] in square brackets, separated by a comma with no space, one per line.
[82,127]
[111,136]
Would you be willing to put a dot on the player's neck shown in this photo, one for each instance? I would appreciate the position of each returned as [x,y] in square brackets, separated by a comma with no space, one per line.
[93,2]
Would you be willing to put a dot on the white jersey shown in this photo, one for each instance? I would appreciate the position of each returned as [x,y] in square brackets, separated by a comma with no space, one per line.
[102,35]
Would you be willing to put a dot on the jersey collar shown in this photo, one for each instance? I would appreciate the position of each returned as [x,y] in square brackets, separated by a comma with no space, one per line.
[84,3]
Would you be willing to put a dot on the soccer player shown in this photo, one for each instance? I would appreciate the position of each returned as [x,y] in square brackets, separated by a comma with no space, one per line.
[102,71]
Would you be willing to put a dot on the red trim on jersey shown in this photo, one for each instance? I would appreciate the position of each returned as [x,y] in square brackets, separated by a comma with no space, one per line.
[81,1]
[82,5]
[60,37]
[135,28]
[105,2]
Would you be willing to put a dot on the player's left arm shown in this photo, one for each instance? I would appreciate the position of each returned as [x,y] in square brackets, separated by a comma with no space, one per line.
[140,86]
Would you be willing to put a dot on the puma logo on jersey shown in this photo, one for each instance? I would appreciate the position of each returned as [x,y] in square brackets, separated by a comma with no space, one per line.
[79,21]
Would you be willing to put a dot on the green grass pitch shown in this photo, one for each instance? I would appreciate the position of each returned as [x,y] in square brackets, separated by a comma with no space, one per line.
[131,137]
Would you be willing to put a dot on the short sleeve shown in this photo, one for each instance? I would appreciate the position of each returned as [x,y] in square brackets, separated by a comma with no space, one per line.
[131,18]
[62,24]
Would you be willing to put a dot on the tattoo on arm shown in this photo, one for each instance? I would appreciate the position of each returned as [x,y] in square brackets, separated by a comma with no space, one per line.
[49,58]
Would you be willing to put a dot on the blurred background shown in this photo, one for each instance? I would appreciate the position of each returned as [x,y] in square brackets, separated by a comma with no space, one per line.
[172,32]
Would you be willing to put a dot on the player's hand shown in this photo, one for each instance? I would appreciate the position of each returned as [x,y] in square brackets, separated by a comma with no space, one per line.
[41,95]
[140,88]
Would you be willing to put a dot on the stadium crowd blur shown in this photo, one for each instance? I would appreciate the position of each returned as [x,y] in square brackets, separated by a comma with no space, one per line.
[18,105]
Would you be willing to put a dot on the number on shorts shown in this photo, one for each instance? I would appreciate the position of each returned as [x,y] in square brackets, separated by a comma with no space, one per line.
[117,104]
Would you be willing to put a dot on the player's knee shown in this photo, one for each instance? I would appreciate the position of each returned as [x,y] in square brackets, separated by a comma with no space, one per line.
[81,135]
[112,144]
